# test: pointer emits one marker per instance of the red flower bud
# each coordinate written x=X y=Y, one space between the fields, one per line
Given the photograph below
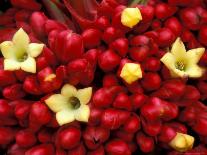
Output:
x=165 y=37
x=108 y=60
x=41 y=149
x=45 y=135
x=40 y=113
x=95 y=116
x=171 y=89
x=79 y=150
x=122 y=101
x=200 y=126
x=120 y=46
x=66 y=45
x=145 y=143
x=111 y=33
x=163 y=10
x=69 y=137
x=6 y=135
x=113 y=119
x=110 y=80
x=174 y=24
x=13 y=92
x=98 y=151
x=151 y=81
x=125 y=136
x=37 y=22
x=152 y=128
x=102 y=23
x=22 y=109
x=95 y=136
x=91 y=38
x=5 y=109
x=167 y=134
x=138 y=100
x=104 y=97
x=132 y=125
x=16 y=150
x=31 y=85
x=25 y=138
x=51 y=25
x=152 y=64
x=118 y=147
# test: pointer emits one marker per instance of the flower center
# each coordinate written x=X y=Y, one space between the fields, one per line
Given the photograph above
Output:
x=23 y=57
x=75 y=102
x=180 y=65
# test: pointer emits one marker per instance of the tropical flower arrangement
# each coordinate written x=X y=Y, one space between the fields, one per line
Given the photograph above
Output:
x=96 y=77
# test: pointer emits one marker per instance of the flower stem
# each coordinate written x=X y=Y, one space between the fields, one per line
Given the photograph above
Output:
x=133 y=3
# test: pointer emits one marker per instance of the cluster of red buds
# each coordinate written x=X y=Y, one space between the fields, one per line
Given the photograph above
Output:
x=143 y=63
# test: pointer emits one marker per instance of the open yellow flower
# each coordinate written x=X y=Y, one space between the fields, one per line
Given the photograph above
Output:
x=20 y=53
x=131 y=17
x=182 y=63
x=71 y=104
x=182 y=142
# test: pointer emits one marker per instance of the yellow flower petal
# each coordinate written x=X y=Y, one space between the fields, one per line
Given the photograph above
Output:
x=131 y=72
x=35 y=49
x=11 y=64
x=84 y=95
x=21 y=41
x=194 y=71
x=50 y=77
x=64 y=117
x=82 y=114
x=29 y=65
x=68 y=90
x=130 y=17
x=178 y=50
x=57 y=102
x=169 y=60
x=182 y=142
x=194 y=55
x=8 y=50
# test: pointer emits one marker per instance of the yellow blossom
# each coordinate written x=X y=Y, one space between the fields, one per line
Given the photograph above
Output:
x=130 y=17
x=182 y=63
x=182 y=142
x=20 y=53
x=70 y=104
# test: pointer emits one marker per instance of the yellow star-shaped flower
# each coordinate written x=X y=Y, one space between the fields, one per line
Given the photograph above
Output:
x=20 y=53
x=131 y=17
x=182 y=142
x=182 y=63
x=71 y=104
x=131 y=72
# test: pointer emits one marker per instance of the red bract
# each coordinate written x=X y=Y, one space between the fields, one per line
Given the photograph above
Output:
x=98 y=151
x=133 y=124
x=151 y=81
x=95 y=136
x=147 y=12
x=138 y=100
x=174 y=25
x=167 y=134
x=151 y=64
x=165 y=37
x=120 y=46
x=5 y=109
x=66 y=45
x=79 y=150
x=111 y=33
x=118 y=147
x=95 y=116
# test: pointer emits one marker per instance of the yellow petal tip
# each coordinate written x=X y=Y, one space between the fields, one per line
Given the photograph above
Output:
x=131 y=72
x=130 y=17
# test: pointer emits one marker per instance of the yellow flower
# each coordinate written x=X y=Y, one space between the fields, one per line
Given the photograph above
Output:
x=71 y=104
x=131 y=72
x=182 y=142
x=20 y=53
x=182 y=63
x=130 y=17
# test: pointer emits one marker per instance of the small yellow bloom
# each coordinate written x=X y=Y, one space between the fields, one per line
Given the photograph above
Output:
x=182 y=142
x=131 y=72
x=20 y=53
x=50 y=77
x=182 y=63
x=130 y=17
x=71 y=104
